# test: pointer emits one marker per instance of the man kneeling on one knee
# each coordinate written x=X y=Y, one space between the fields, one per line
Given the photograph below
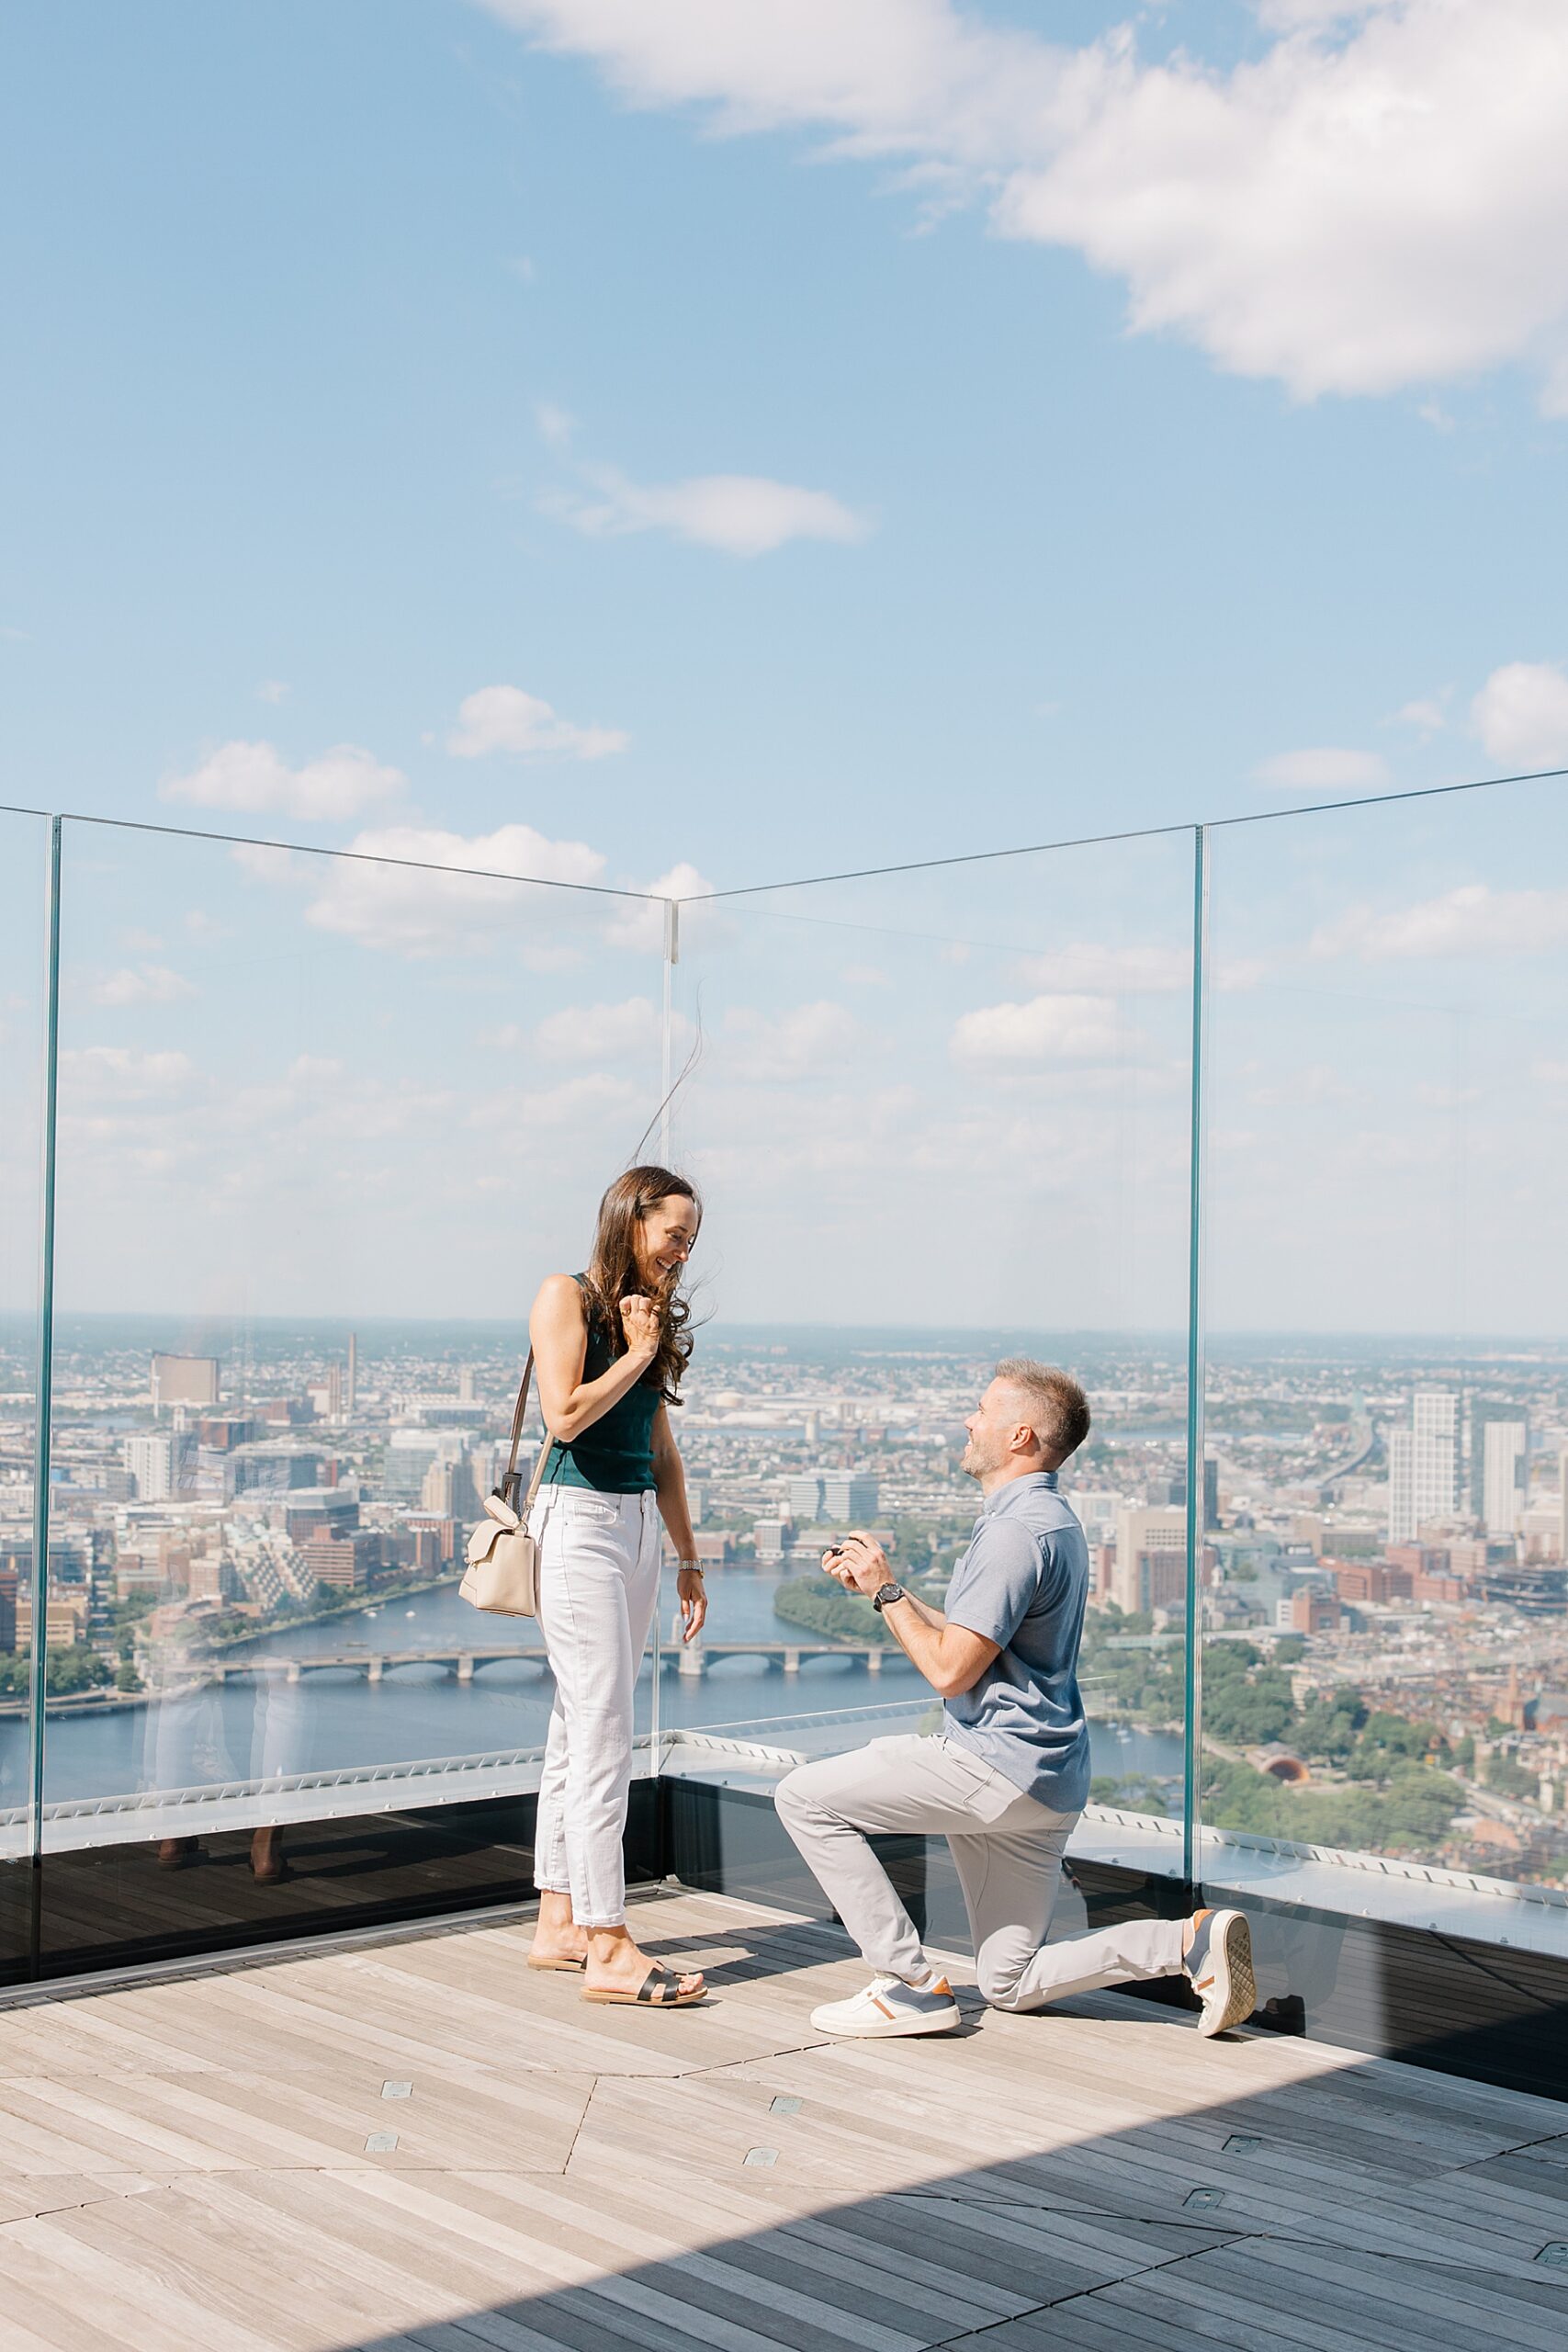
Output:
x=1006 y=1778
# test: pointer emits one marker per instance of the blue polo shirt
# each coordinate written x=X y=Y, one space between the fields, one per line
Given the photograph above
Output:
x=1023 y=1583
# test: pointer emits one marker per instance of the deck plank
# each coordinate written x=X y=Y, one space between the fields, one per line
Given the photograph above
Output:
x=185 y=2163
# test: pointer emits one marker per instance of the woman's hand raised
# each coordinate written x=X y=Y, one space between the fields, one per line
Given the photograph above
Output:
x=639 y=1320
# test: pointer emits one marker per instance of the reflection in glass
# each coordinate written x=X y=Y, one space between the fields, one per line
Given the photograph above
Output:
x=324 y=1122
x=1386 y=1671
x=24 y=881
x=938 y=1116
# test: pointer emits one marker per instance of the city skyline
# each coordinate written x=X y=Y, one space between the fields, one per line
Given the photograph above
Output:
x=229 y=1524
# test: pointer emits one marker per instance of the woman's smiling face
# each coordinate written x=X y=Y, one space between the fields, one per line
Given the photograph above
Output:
x=665 y=1238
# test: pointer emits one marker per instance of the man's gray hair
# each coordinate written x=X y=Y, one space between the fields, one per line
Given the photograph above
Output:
x=1058 y=1407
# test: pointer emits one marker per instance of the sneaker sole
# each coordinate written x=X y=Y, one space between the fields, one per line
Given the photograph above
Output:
x=1235 y=1985
x=891 y=2028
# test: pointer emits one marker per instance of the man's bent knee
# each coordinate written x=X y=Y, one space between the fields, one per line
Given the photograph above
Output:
x=1000 y=1980
x=793 y=1796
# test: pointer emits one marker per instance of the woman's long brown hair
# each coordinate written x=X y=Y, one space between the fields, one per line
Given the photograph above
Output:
x=614 y=1272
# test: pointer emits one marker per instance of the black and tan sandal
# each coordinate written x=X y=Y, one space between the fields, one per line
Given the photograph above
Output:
x=563 y=1966
x=659 y=1989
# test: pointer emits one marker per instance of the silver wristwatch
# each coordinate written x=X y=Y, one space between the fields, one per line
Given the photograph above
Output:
x=885 y=1594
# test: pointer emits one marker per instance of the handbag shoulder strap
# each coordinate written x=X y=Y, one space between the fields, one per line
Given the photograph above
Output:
x=510 y=1481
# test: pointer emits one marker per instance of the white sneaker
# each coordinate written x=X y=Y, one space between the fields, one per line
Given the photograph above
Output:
x=889 y=2006
x=1220 y=1967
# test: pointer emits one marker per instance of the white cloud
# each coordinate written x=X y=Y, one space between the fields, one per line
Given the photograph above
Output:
x=402 y=906
x=420 y=891
x=1047 y=1028
x=1084 y=967
x=682 y=881
x=1521 y=714
x=1428 y=714
x=600 y=1033
x=638 y=922
x=1327 y=769
x=801 y=1043
x=144 y=984
x=743 y=514
x=122 y=1074
x=1374 y=201
x=1473 y=920
x=588 y=1097
x=271 y=690
x=503 y=718
x=255 y=778
x=556 y=424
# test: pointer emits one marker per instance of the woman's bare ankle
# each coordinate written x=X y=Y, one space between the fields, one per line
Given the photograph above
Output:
x=557 y=1930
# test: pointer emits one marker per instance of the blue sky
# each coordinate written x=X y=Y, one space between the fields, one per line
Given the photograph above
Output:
x=289 y=288
x=614 y=443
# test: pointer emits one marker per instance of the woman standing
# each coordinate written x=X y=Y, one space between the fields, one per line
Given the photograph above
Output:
x=610 y=1348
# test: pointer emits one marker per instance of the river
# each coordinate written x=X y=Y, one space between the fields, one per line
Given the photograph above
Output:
x=334 y=1719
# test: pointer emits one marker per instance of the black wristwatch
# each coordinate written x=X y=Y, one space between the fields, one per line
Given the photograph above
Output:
x=885 y=1594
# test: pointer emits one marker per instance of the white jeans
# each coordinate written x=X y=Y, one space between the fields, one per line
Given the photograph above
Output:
x=598 y=1590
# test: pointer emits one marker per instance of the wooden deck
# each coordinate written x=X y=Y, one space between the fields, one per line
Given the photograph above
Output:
x=417 y=2142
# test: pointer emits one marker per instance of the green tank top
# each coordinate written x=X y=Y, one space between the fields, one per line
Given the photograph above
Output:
x=615 y=1454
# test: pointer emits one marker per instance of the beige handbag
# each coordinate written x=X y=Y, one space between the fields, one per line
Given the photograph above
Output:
x=502 y=1574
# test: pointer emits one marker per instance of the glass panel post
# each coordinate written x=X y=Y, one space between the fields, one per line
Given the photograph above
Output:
x=671 y=957
x=37 y=1677
x=667 y=1039
x=1196 y=1481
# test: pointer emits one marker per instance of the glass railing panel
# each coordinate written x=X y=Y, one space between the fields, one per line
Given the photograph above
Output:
x=24 y=885
x=325 y=1121
x=938 y=1117
x=1385 y=1671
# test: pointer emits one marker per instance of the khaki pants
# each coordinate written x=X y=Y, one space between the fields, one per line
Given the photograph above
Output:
x=1007 y=1851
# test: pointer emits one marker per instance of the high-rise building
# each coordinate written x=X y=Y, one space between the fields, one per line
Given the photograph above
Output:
x=806 y=1500
x=149 y=1455
x=1505 y=1446
x=213 y=1578
x=410 y=1453
x=183 y=1380
x=1562 y=1504
x=1210 y=1489
x=353 y=1382
x=1480 y=1412
x=849 y=1495
x=1151 y=1558
x=1424 y=1465
x=446 y=1491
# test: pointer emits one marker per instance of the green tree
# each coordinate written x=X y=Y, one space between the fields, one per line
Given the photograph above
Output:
x=1244 y=1701
x=825 y=1607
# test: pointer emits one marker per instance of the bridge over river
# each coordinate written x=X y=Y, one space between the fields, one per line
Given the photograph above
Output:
x=691 y=1660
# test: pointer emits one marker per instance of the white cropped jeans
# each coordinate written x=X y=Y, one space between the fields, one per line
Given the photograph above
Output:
x=598 y=1589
